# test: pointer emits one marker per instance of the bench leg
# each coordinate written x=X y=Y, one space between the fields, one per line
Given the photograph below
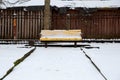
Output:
x=75 y=44
x=45 y=44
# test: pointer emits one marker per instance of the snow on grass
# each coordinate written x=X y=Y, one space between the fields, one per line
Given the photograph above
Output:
x=55 y=64
x=8 y=55
x=107 y=59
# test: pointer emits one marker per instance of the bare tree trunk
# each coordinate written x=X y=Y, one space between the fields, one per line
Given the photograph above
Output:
x=47 y=15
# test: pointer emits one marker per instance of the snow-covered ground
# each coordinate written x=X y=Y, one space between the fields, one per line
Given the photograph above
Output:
x=63 y=63
x=8 y=55
x=107 y=58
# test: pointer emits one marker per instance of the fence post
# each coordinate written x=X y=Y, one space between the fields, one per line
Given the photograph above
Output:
x=14 y=25
x=68 y=21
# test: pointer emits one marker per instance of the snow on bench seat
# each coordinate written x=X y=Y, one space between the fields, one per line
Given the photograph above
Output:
x=60 y=35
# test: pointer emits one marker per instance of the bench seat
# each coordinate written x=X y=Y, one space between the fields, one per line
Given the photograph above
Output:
x=60 y=35
x=60 y=39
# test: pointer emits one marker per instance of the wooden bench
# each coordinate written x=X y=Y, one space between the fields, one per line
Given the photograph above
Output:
x=60 y=36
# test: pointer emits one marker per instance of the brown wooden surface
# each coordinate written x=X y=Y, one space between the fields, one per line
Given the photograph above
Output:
x=103 y=24
x=28 y=24
x=100 y=24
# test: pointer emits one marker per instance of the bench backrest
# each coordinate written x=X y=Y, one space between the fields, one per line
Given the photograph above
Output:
x=60 y=33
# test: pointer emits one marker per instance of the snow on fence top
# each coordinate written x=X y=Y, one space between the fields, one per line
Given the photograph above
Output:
x=72 y=3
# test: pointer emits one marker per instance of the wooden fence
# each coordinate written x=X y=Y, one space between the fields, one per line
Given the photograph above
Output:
x=28 y=24
x=103 y=24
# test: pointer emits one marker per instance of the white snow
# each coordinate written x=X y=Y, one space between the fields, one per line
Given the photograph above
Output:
x=32 y=3
x=88 y=4
x=55 y=64
x=62 y=63
x=72 y=4
x=61 y=34
x=9 y=54
x=107 y=58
